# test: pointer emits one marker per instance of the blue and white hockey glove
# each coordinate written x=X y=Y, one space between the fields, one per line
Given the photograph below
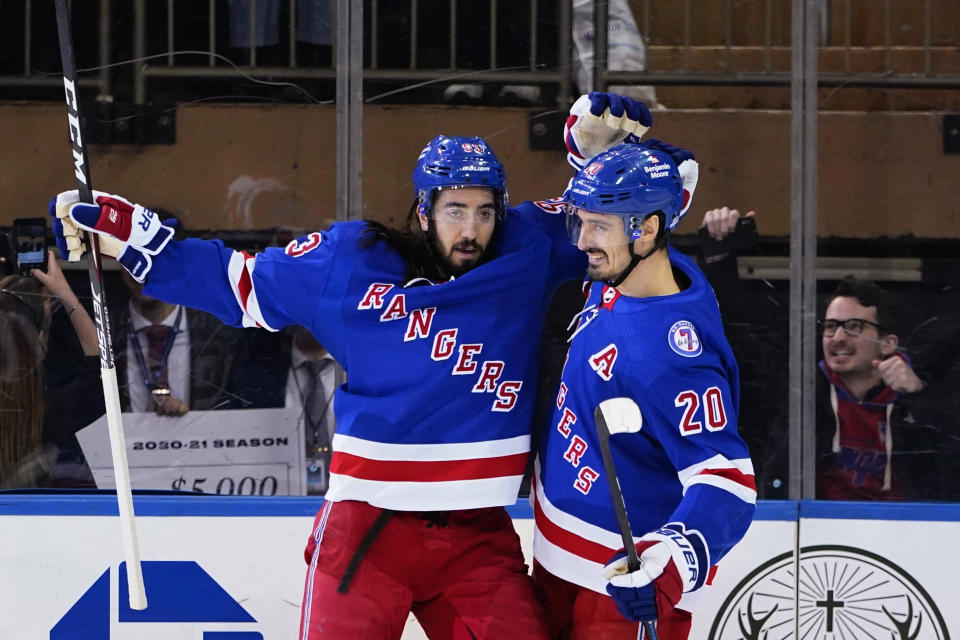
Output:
x=687 y=166
x=128 y=232
x=672 y=561
x=598 y=121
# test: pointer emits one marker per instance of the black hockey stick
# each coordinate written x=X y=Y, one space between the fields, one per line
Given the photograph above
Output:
x=620 y=415
x=108 y=373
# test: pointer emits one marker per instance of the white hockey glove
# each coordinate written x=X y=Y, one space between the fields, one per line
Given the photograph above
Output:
x=672 y=561
x=128 y=232
x=599 y=121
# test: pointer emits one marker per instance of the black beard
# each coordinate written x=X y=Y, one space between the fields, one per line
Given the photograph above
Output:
x=457 y=270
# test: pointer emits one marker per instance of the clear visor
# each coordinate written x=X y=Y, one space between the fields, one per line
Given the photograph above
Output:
x=596 y=230
x=465 y=205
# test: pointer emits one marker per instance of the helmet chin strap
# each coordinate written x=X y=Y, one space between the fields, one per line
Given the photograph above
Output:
x=660 y=242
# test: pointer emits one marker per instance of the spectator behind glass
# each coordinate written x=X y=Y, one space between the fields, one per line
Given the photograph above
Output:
x=873 y=439
x=881 y=434
x=170 y=359
x=70 y=401
x=23 y=459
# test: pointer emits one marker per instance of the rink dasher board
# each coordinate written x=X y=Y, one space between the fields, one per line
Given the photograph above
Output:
x=53 y=548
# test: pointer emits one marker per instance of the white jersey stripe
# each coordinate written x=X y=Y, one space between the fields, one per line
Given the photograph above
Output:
x=253 y=305
x=430 y=452
x=426 y=496
x=744 y=493
x=743 y=465
x=568 y=566
x=241 y=268
x=574 y=524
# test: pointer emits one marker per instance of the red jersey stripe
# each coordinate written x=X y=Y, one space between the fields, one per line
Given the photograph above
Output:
x=245 y=285
x=355 y=466
x=569 y=541
x=734 y=475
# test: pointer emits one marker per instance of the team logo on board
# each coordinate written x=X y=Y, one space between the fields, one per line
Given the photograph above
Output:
x=183 y=601
x=684 y=340
x=841 y=592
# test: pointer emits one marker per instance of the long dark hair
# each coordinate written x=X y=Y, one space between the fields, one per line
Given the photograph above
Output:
x=22 y=399
x=414 y=245
x=24 y=295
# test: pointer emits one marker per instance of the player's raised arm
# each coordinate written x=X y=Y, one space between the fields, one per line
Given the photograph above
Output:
x=238 y=288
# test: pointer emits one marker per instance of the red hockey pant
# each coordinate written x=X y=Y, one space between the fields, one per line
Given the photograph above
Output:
x=462 y=575
x=578 y=613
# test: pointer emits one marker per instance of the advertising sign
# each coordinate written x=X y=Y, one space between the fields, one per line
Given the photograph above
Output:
x=250 y=452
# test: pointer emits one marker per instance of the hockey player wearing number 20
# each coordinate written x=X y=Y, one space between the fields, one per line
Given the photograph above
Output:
x=650 y=332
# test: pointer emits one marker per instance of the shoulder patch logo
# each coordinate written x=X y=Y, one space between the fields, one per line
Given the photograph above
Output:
x=554 y=205
x=306 y=244
x=684 y=340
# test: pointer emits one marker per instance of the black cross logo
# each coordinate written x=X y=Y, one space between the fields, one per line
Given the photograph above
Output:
x=830 y=604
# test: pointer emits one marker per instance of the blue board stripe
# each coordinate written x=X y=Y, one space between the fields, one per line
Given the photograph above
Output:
x=105 y=504
x=919 y=511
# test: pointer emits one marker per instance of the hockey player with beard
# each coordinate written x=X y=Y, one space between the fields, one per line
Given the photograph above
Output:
x=436 y=327
x=651 y=333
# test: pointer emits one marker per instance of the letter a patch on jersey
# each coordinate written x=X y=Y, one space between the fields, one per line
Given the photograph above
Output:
x=602 y=361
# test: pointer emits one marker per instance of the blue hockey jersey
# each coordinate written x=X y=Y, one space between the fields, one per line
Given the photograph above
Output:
x=436 y=412
x=686 y=465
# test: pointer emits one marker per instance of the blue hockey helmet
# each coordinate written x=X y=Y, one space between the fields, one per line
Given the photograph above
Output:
x=628 y=180
x=453 y=161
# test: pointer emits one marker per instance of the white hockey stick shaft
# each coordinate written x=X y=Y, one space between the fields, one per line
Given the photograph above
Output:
x=613 y=416
x=136 y=592
x=108 y=374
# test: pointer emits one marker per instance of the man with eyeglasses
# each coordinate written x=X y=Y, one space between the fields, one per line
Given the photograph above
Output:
x=867 y=445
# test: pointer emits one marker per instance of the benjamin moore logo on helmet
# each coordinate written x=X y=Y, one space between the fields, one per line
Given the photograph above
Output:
x=658 y=167
x=841 y=592
x=593 y=168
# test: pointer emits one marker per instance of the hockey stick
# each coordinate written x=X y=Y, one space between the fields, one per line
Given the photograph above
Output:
x=108 y=373
x=620 y=415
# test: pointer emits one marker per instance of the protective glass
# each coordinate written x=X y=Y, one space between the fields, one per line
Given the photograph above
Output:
x=461 y=215
x=453 y=211
x=851 y=326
